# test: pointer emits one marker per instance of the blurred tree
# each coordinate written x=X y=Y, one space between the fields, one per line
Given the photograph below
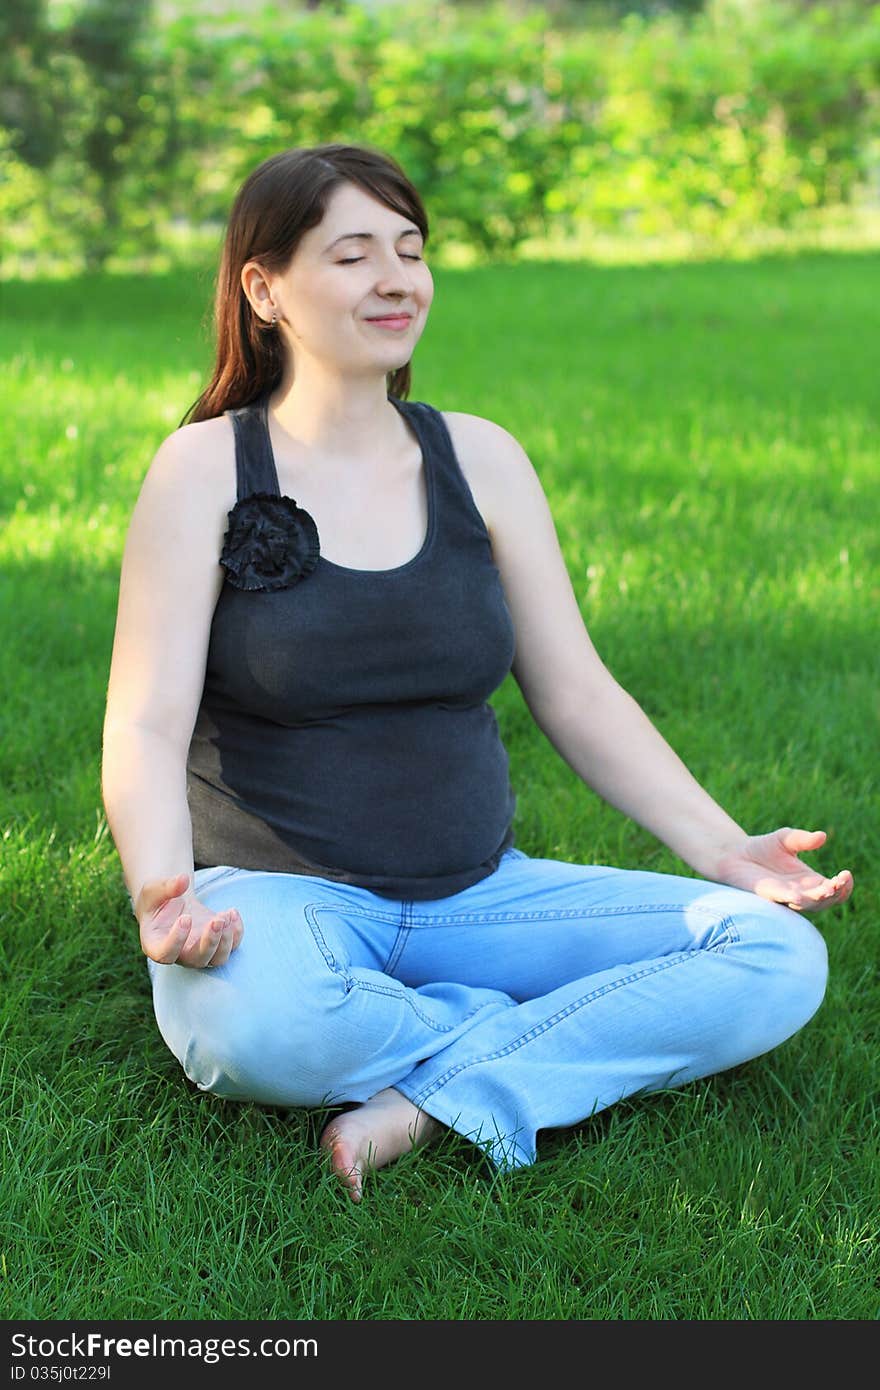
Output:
x=74 y=88
x=574 y=13
x=29 y=107
x=121 y=134
x=104 y=37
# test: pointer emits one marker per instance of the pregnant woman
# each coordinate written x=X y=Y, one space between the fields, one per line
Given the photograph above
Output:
x=323 y=584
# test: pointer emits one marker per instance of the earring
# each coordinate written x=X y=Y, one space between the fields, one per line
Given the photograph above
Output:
x=274 y=319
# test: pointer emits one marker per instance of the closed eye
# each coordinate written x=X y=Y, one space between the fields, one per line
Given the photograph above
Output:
x=352 y=260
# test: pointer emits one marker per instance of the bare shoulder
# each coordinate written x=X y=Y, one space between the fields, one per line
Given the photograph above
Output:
x=200 y=452
x=492 y=460
x=195 y=467
x=478 y=441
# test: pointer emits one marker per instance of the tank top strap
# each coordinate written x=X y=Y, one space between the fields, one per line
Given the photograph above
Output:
x=450 y=486
x=429 y=425
x=254 y=465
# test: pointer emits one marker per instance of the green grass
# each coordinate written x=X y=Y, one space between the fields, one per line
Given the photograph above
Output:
x=707 y=434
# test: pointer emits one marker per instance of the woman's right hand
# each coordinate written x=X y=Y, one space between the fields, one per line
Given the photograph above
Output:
x=177 y=929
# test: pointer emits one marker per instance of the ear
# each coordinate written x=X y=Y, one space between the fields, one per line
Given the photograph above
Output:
x=256 y=286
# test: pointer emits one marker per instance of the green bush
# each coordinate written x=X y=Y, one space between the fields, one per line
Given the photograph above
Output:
x=515 y=125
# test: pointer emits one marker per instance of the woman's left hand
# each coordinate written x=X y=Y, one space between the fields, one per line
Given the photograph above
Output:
x=769 y=866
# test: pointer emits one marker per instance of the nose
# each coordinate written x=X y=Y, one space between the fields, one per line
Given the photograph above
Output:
x=393 y=276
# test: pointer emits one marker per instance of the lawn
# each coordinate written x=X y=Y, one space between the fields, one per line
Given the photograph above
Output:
x=707 y=435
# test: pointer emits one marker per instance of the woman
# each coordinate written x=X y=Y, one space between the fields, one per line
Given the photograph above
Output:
x=323 y=583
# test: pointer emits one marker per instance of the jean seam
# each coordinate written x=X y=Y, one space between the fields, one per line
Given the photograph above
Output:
x=562 y=914
x=214 y=876
x=405 y=996
x=401 y=938
x=539 y=1029
x=401 y=992
x=310 y=912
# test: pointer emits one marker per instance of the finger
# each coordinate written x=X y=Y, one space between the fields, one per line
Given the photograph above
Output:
x=159 y=890
x=799 y=841
x=165 y=888
x=796 y=895
x=223 y=946
x=224 y=949
x=209 y=940
x=829 y=897
x=839 y=887
x=237 y=927
x=818 y=892
x=203 y=952
x=168 y=950
x=232 y=916
x=842 y=886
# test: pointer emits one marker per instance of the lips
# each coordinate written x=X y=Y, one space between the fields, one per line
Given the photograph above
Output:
x=388 y=318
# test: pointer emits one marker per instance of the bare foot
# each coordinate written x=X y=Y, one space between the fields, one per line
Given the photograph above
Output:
x=377 y=1132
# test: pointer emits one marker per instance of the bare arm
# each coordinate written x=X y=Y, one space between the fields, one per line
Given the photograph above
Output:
x=168 y=590
x=593 y=723
x=144 y=792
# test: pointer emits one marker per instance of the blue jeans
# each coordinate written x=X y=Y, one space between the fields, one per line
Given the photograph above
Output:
x=530 y=1001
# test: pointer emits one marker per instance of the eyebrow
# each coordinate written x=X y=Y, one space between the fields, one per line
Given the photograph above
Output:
x=368 y=236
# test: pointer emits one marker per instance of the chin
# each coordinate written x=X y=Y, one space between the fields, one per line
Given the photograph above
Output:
x=393 y=364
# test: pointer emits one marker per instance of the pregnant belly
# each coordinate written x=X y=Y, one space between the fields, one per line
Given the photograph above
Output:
x=410 y=790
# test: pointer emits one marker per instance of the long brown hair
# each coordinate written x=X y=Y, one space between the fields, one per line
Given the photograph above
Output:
x=283 y=198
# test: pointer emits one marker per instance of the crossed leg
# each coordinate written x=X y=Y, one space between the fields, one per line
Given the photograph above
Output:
x=542 y=994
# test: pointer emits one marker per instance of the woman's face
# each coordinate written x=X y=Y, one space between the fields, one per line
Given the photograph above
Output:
x=337 y=283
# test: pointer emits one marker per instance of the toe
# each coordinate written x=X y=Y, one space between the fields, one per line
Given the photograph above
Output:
x=349 y=1174
x=343 y=1162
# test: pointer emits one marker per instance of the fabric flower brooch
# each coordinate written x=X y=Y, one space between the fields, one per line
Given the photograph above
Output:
x=271 y=543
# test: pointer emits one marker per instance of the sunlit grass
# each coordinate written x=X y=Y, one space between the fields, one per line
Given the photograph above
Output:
x=707 y=435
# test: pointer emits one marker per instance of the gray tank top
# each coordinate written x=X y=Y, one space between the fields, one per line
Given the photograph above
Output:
x=344 y=729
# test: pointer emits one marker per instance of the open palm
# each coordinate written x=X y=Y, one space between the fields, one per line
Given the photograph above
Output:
x=769 y=866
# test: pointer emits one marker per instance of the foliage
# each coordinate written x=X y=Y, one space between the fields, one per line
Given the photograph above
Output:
x=125 y=137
